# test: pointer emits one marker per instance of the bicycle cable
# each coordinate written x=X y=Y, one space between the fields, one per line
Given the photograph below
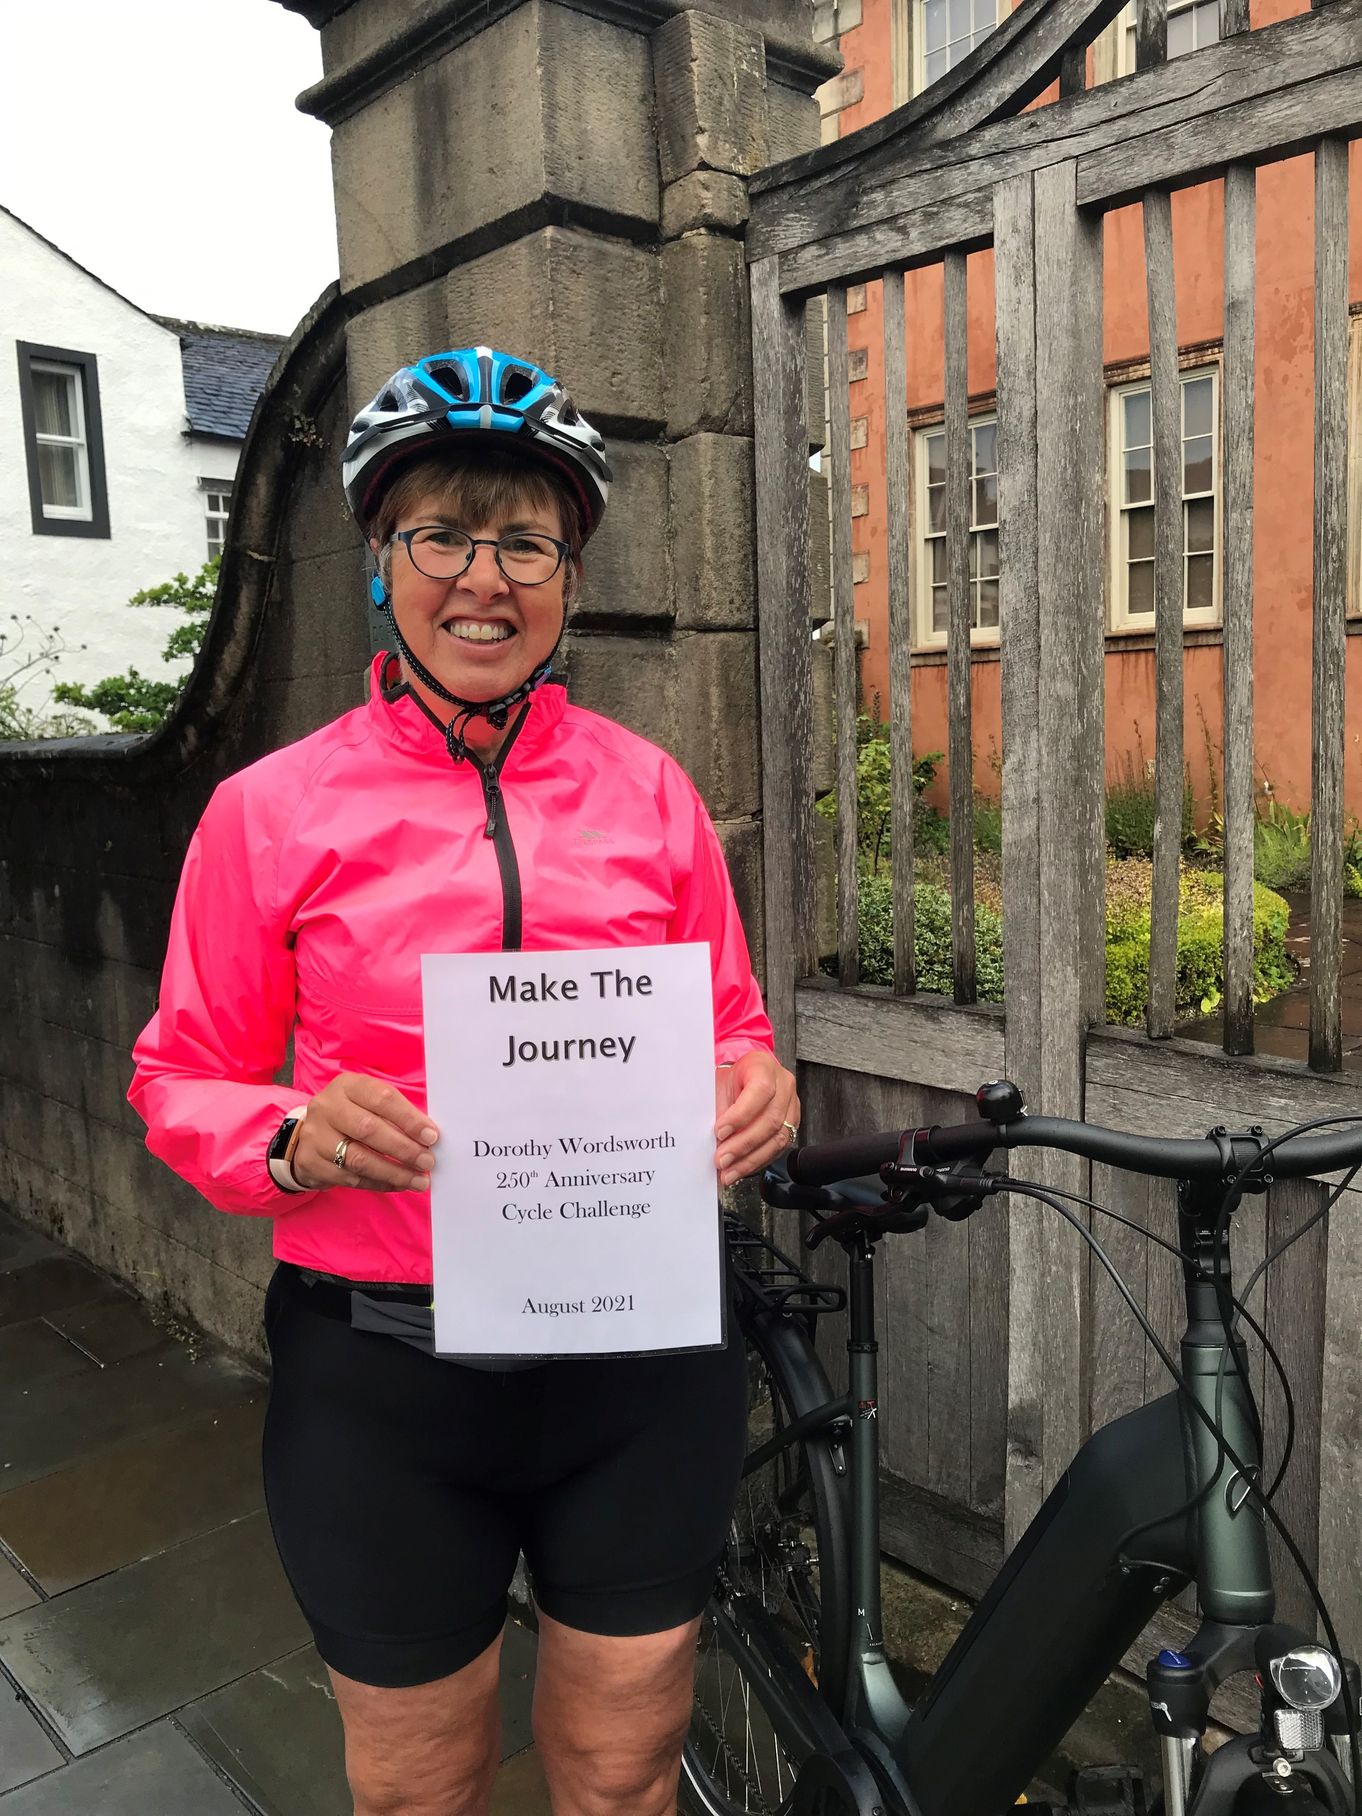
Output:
x=1224 y=1448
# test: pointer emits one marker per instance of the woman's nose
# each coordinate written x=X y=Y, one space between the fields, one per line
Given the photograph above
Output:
x=482 y=575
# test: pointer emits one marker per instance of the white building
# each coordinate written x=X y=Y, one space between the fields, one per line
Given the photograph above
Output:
x=119 y=438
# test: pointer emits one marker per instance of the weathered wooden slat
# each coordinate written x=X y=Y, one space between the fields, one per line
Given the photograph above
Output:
x=1073 y=72
x=1331 y=598
x=1340 y=1491
x=1237 y=443
x=948 y=1359
x=1151 y=33
x=918 y=1040
x=1015 y=289
x=1295 y=1323
x=1234 y=17
x=918 y=236
x=782 y=510
x=1118 y=1344
x=1197 y=93
x=899 y=530
x=989 y=1260
x=1165 y=397
x=1046 y=1330
x=847 y=689
x=961 y=733
x=953 y=1546
x=1275 y=125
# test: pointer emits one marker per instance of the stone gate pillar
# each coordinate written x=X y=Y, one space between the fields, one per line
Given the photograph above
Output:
x=565 y=178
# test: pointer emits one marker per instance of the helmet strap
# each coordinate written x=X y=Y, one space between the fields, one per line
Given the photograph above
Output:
x=496 y=712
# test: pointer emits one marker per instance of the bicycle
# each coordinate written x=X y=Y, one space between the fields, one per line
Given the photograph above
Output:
x=796 y=1711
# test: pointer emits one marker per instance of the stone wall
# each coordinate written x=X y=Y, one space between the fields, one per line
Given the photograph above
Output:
x=566 y=181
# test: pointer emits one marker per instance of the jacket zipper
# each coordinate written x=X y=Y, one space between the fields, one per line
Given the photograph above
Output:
x=499 y=832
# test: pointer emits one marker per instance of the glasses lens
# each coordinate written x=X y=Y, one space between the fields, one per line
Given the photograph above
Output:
x=528 y=559
x=440 y=553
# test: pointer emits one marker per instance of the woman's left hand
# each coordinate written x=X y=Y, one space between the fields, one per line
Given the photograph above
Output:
x=757 y=1107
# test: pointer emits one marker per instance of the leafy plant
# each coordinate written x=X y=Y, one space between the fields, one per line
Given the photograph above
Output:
x=1130 y=811
x=931 y=939
x=26 y=651
x=132 y=701
x=873 y=799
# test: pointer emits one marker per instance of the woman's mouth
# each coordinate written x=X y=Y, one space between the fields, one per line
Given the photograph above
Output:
x=475 y=630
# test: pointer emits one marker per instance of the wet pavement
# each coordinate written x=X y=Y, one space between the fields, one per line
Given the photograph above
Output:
x=152 y=1660
x=1281 y=1028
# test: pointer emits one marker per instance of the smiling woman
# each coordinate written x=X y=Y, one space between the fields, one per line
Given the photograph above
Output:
x=448 y=814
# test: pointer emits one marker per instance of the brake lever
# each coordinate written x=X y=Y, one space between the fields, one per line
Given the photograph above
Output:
x=954 y=1192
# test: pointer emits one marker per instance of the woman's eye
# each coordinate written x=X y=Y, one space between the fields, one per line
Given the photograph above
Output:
x=522 y=545
x=442 y=539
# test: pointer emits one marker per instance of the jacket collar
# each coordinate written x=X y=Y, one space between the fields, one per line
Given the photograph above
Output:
x=401 y=717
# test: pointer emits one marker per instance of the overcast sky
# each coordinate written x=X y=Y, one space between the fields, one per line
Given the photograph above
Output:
x=157 y=142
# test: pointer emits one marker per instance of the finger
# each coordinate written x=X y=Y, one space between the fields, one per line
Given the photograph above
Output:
x=366 y=1171
x=771 y=1119
x=752 y=1102
x=381 y=1118
x=755 y=1161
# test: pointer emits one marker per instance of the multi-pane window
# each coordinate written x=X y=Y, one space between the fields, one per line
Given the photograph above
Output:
x=1192 y=24
x=59 y=437
x=947 y=31
x=217 y=504
x=983 y=530
x=1133 y=501
x=63 y=441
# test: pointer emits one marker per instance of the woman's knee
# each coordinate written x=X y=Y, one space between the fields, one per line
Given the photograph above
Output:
x=429 y=1750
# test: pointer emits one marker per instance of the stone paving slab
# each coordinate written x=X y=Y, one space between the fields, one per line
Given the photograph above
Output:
x=26 y=1751
x=37 y=1351
x=110 y=1330
x=15 y=1591
x=155 y=1773
x=520 y=1789
x=19 y=1244
x=277 y=1735
x=152 y=1494
x=49 y=1284
x=57 y=1421
x=111 y=1656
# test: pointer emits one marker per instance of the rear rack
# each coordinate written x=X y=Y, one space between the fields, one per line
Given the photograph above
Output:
x=770 y=1281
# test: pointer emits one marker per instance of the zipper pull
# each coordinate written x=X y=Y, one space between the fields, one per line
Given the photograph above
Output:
x=491 y=788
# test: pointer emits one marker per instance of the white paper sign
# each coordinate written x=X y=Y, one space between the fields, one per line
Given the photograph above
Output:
x=574 y=1201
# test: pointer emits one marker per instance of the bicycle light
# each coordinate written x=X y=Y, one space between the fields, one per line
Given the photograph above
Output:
x=1307 y=1677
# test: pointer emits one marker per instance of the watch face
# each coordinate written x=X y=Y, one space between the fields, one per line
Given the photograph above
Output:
x=279 y=1146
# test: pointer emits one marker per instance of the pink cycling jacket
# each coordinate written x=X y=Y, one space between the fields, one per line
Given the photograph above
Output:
x=319 y=875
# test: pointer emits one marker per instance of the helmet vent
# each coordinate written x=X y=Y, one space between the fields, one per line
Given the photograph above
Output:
x=516 y=386
x=567 y=414
x=450 y=378
x=388 y=401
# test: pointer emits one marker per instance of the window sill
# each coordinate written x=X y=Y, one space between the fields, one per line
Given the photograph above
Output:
x=1118 y=643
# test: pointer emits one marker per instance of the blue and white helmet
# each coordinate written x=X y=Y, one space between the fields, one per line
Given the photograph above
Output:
x=477 y=395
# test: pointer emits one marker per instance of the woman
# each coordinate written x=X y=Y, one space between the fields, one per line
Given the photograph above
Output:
x=460 y=809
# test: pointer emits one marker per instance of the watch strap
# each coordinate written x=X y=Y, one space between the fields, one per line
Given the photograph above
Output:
x=282 y=1149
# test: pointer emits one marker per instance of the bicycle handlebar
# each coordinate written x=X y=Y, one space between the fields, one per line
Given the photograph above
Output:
x=1165 y=1157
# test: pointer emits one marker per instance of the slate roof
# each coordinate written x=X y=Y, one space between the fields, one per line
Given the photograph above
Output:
x=224 y=373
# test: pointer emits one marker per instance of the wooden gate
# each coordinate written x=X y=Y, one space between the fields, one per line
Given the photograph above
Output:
x=1003 y=1346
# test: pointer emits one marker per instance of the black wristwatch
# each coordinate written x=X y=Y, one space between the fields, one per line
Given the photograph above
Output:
x=280 y=1152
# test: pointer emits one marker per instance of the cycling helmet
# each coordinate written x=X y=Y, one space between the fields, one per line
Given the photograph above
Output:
x=474 y=395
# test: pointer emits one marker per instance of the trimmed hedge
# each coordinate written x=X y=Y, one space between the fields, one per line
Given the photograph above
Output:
x=1201 y=969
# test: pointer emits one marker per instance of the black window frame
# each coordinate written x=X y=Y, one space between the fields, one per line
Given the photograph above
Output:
x=97 y=523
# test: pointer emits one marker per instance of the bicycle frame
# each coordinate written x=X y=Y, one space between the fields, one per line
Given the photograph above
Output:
x=1068 y=1602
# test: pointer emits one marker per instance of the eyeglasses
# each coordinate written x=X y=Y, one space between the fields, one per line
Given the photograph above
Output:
x=525 y=556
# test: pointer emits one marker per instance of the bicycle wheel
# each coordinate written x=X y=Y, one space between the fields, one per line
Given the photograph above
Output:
x=782 y=1587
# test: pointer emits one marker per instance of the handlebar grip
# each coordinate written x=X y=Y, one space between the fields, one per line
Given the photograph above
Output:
x=827 y=1162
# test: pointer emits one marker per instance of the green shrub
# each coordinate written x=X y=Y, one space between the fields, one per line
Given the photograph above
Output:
x=873 y=800
x=931 y=939
x=1201 y=964
x=988 y=824
x=1201 y=957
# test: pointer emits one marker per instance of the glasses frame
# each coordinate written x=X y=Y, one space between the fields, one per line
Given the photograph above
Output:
x=477 y=542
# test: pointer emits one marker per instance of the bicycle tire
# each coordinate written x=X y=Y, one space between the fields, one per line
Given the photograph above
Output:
x=787 y=1552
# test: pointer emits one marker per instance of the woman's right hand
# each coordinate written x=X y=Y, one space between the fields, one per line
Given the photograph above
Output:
x=389 y=1139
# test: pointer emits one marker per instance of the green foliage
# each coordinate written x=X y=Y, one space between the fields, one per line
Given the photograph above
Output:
x=1130 y=811
x=873 y=802
x=25 y=650
x=1201 y=954
x=988 y=824
x=132 y=701
x=1201 y=972
x=931 y=939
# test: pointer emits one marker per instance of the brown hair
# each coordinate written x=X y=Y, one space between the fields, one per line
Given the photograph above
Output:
x=481 y=488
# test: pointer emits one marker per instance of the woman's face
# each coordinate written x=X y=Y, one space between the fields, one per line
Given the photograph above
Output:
x=480 y=634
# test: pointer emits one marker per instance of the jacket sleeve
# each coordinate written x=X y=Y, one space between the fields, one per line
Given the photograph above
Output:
x=706 y=910
x=206 y=1063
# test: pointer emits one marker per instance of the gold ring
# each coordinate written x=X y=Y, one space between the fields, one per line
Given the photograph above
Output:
x=342 y=1149
x=793 y=1128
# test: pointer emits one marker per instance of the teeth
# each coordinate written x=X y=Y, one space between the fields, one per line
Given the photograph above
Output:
x=469 y=632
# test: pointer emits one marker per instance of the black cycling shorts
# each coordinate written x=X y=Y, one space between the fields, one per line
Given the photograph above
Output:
x=401 y=1488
